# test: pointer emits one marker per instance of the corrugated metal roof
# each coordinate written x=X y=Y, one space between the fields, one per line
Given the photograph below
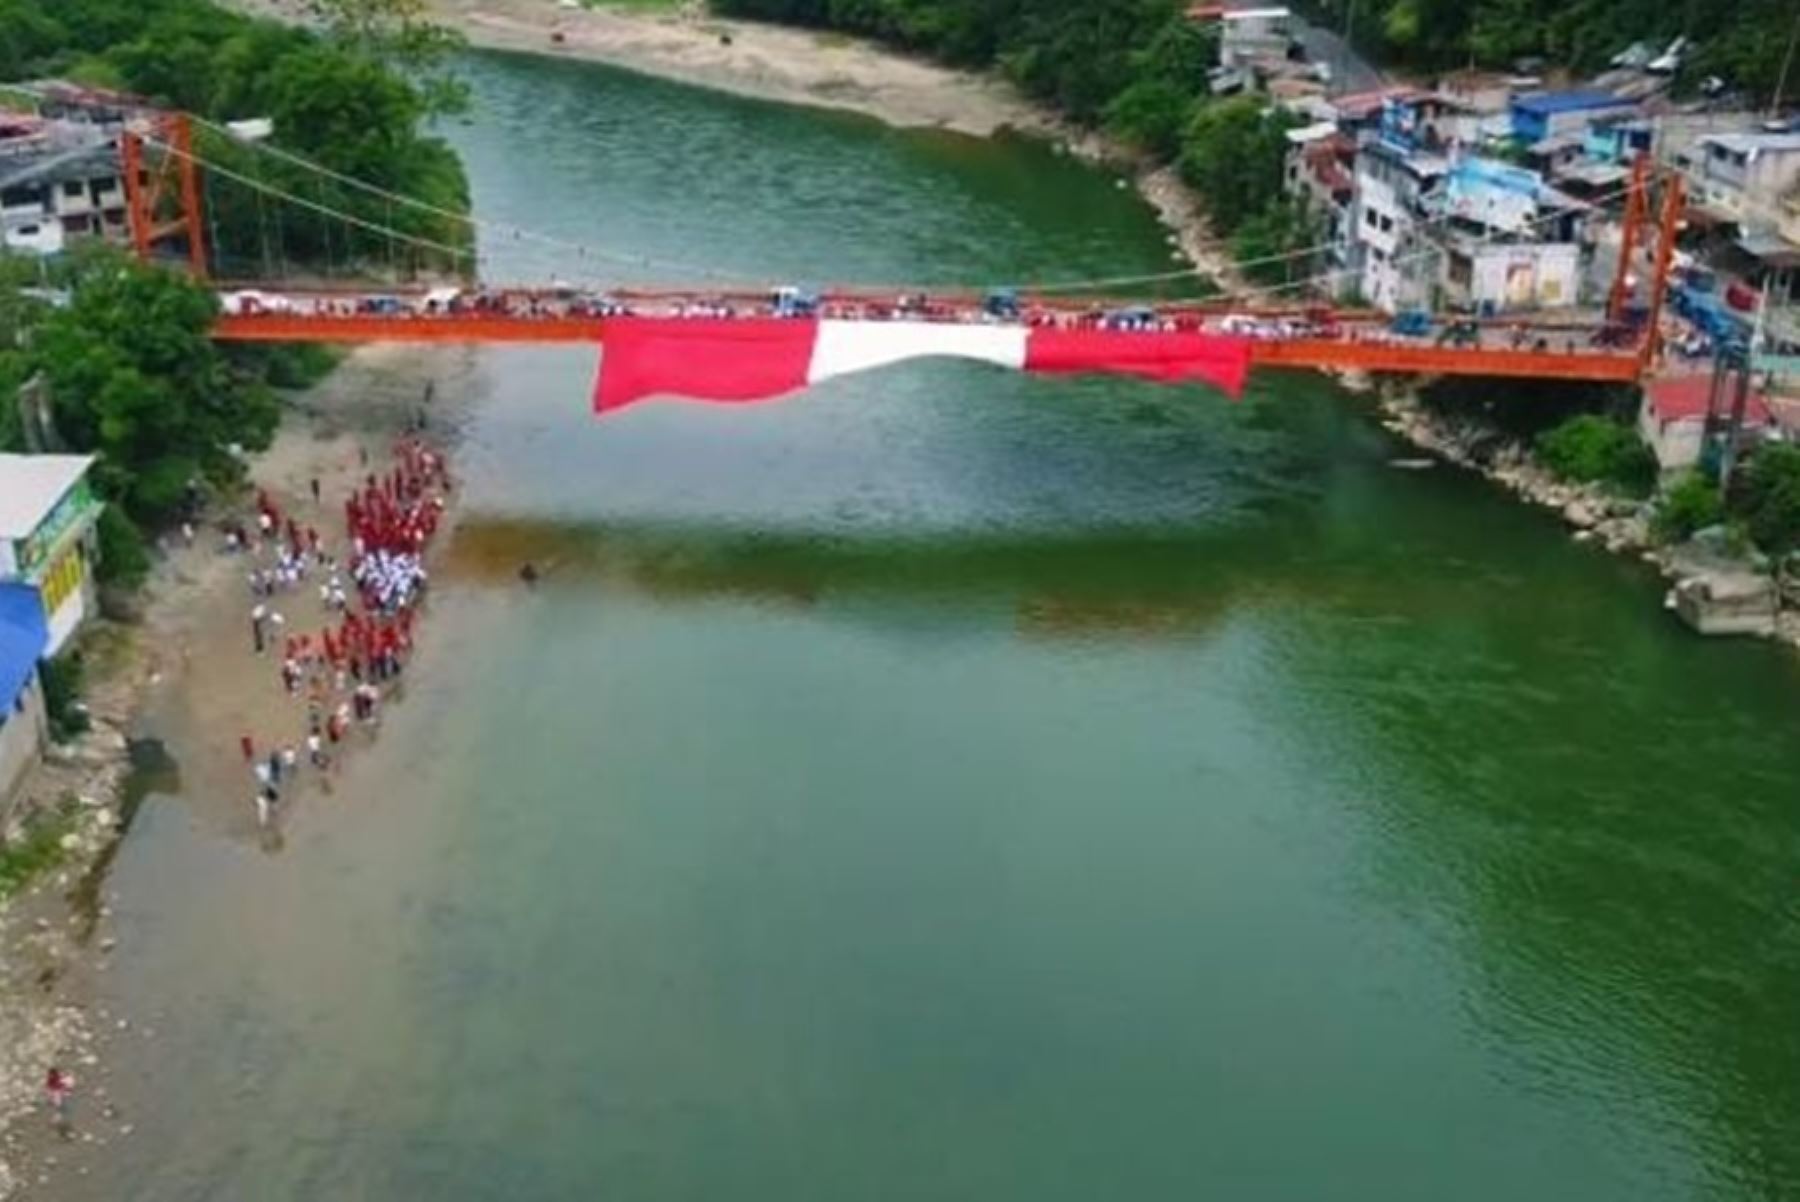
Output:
x=1547 y=103
x=23 y=637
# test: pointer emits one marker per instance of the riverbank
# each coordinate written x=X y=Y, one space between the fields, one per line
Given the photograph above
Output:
x=172 y=687
x=1593 y=514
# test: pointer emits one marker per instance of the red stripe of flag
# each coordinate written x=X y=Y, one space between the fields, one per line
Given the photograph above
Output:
x=734 y=359
x=1221 y=361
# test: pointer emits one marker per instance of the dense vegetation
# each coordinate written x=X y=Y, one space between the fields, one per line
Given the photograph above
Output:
x=1742 y=41
x=352 y=95
x=134 y=377
x=1591 y=449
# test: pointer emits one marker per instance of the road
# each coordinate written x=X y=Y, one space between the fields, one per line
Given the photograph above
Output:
x=1350 y=72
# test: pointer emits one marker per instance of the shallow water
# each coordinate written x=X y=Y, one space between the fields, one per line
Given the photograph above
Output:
x=949 y=785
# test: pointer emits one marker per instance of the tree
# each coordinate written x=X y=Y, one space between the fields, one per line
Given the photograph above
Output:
x=1271 y=242
x=1592 y=449
x=1769 y=498
x=1233 y=152
x=135 y=377
x=400 y=35
x=1691 y=503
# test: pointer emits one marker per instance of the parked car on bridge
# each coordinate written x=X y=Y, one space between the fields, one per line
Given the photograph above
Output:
x=250 y=301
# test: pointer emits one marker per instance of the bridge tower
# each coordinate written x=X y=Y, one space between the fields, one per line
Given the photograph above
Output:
x=162 y=188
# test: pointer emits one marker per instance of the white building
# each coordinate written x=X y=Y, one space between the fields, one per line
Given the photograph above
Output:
x=47 y=516
x=1249 y=36
x=1501 y=277
x=1743 y=176
x=59 y=180
x=1397 y=263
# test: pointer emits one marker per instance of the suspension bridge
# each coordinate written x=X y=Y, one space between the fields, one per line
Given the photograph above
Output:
x=734 y=340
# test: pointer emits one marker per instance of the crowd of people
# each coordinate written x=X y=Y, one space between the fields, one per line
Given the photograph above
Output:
x=369 y=586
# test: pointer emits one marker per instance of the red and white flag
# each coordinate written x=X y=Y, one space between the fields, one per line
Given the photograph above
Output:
x=761 y=358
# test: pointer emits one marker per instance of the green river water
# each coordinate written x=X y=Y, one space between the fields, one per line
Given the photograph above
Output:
x=952 y=786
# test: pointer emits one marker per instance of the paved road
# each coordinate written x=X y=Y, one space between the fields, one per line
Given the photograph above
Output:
x=1350 y=72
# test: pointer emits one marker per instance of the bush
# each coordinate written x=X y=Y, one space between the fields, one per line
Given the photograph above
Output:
x=1769 y=498
x=124 y=560
x=1692 y=503
x=62 y=696
x=1592 y=449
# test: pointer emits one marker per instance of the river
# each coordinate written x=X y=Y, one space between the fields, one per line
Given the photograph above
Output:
x=950 y=785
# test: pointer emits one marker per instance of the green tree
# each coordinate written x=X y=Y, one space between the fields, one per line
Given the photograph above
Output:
x=1272 y=244
x=1591 y=449
x=1691 y=503
x=1769 y=498
x=401 y=35
x=1233 y=152
x=136 y=378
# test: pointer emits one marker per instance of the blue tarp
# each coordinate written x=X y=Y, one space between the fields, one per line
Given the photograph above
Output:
x=23 y=637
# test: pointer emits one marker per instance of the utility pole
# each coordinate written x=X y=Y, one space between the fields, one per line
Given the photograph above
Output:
x=1787 y=61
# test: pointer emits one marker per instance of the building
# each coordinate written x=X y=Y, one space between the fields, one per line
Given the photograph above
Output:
x=1538 y=117
x=24 y=726
x=1397 y=264
x=1501 y=277
x=1743 y=176
x=1321 y=170
x=1249 y=37
x=1672 y=418
x=59 y=180
x=47 y=515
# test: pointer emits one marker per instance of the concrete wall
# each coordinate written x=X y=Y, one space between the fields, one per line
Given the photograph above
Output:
x=1676 y=444
x=1537 y=276
x=22 y=736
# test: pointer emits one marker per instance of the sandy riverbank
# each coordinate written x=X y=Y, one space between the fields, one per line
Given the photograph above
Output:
x=182 y=674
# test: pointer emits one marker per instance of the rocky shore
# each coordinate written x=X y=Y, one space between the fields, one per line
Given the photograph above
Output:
x=1715 y=588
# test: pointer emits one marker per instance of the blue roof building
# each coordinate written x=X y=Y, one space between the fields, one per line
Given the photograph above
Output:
x=1538 y=116
x=24 y=634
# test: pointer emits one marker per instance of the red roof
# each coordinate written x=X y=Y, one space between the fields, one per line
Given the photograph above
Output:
x=1366 y=104
x=1205 y=12
x=1680 y=398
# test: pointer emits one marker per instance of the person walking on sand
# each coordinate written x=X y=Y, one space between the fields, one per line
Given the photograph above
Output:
x=258 y=614
x=248 y=747
x=59 y=1087
x=315 y=490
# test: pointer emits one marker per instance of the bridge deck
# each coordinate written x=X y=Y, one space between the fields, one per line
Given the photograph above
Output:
x=1373 y=354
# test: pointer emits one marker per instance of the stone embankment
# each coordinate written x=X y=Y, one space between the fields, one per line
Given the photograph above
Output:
x=1714 y=589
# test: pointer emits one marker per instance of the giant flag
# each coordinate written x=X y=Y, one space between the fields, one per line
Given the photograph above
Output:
x=760 y=358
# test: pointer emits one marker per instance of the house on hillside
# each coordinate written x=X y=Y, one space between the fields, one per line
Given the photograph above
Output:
x=24 y=725
x=59 y=181
x=1540 y=117
x=1321 y=170
x=47 y=516
x=1396 y=260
